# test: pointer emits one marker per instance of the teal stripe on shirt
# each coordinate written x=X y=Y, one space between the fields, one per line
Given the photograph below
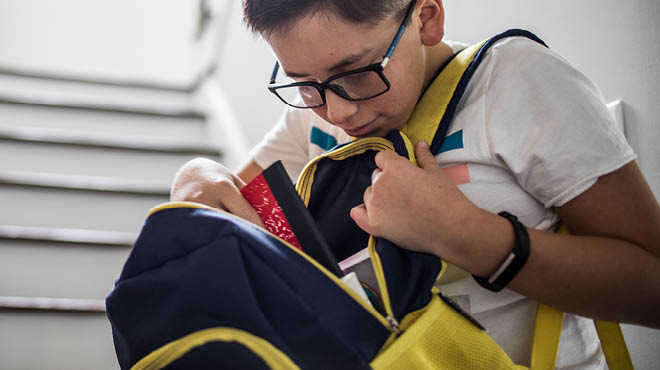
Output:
x=453 y=141
x=322 y=139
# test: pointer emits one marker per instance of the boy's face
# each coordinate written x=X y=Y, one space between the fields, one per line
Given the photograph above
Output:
x=323 y=45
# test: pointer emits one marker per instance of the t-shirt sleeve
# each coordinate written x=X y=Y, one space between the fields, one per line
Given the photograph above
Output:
x=548 y=124
x=286 y=141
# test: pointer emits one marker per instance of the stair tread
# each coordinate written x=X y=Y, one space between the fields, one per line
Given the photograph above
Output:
x=57 y=101
x=53 y=304
x=95 y=81
x=68 y=235
x=111 y=141
x=81 y=182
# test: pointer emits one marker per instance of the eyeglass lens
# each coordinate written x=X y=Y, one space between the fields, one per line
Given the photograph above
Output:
x=355 y=86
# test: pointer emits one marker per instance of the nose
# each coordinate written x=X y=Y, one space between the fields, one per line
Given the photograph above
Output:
x=338 y=109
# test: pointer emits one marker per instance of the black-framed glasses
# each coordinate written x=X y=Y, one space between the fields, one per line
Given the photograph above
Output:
x=355 y=85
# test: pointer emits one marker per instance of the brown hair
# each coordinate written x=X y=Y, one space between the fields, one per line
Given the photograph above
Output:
x=266 y=17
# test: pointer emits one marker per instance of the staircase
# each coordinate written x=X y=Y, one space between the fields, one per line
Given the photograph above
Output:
x=81 y=163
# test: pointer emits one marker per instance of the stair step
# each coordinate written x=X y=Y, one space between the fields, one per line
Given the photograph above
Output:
x=52 y=304
x=100 y=106
x=107 y=141
x=188 y=129
x=146 y=166
x=73 y=208
x=23 y=87
x=70 y=236
x=91 y=183
x=40 y=268
x=59 y=339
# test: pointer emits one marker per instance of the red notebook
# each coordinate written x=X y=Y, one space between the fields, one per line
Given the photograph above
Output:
x=284 y=214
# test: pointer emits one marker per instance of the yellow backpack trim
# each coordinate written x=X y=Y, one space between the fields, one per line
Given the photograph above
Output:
x=273 y=357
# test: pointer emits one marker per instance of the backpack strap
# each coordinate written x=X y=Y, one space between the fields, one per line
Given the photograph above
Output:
x=433 y=114
x=547 y=331
x=614 y=345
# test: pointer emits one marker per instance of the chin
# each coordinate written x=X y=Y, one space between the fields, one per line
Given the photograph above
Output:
x=375 y=133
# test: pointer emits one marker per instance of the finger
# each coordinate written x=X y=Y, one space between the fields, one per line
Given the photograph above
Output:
x=425 y=159
x=238 y=181
x=361 y=217
x=374 y=175
x=384 y=157
x=367 y=194
x=235 y=204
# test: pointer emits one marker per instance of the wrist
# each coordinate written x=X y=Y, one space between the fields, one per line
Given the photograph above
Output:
x=515 y=260
x=487 y=241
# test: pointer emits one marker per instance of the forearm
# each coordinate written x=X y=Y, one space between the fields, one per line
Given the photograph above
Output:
x=598 y=277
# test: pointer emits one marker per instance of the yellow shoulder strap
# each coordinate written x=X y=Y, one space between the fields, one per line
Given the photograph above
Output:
x=546 y=341
x=614 y=346
x=547 y=332
x=428 y=113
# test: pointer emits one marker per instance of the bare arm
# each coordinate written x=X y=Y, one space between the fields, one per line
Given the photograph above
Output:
x=249 y=170
x=610 y=267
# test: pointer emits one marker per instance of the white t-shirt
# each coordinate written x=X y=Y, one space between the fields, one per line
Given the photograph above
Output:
x=530 y=133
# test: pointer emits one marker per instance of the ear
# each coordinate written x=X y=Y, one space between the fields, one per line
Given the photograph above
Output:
x=431 y=15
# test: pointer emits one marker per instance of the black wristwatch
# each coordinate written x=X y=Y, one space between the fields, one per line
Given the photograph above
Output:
x=514 y=261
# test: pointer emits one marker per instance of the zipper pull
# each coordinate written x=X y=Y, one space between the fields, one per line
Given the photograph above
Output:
x=393 y=325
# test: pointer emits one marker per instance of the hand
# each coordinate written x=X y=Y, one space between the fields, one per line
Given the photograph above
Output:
x=207 y=182
x=418 y=208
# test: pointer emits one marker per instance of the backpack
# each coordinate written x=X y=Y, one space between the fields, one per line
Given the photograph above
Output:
x=204 y=289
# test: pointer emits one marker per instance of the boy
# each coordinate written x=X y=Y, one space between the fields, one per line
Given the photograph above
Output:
x=536 y=140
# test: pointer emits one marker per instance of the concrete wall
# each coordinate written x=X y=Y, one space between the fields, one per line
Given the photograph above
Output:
x=145 y=40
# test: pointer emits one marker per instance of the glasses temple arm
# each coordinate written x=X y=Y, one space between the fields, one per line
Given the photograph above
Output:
x=399 y=34
x=276 y=69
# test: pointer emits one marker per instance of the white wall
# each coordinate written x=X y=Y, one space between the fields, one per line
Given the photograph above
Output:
x=616 y=43
x=244 y=71
x=144 y=40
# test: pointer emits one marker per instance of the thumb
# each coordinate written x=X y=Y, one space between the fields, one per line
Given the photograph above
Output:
x=425 y=159
x=361 y=218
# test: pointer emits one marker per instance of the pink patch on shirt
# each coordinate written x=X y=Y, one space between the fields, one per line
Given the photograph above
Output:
x=458 y=174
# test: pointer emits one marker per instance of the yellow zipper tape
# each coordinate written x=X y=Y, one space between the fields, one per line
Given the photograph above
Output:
x=380 y=276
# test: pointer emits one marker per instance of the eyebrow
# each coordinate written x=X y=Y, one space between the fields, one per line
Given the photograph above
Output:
x=341 y=64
